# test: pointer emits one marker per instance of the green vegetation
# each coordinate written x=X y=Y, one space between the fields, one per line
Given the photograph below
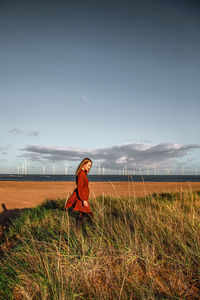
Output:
x=145 y=248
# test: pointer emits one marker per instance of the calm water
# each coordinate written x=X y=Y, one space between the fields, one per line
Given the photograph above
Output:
x=99 y=178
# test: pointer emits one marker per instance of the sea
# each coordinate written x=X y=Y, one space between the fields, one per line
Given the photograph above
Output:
x=102 y=178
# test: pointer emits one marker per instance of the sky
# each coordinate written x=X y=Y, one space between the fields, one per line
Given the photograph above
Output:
x=116 y=81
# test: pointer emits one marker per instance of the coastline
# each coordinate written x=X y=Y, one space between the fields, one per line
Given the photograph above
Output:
x=25 y=194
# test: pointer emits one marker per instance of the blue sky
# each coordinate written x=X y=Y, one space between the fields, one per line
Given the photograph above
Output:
x=117 y=81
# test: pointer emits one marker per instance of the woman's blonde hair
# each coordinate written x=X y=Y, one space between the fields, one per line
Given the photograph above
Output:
x=82 y=163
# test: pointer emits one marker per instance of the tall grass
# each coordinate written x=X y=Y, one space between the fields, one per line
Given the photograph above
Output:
x=145 y=248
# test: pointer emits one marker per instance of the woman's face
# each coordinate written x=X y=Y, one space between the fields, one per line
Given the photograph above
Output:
x=87 y=167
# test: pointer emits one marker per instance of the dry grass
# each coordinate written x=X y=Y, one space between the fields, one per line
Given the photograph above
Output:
x=135 y=249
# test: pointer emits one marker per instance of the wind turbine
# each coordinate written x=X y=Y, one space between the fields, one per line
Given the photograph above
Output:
x=155 y=170
x=103 y=171
x=123 y=171
x=126 y=170
x=18 y=170
x=25 y=167
x=53 y=169
x=147 y=170
x=182 y=171
x=99 y=170
x=195 y=171
x=43 y=169
x=65 y=167
x=22 y=169
x=166 y=171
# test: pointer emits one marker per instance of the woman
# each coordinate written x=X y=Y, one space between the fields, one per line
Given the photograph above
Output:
x=79 y=198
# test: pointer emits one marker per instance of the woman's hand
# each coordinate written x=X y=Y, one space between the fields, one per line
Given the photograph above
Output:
x=85 y=203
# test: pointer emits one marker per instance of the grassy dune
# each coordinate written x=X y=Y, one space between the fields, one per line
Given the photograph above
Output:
x=145 y=248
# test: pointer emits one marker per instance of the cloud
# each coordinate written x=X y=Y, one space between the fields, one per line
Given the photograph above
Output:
x=19 y=131
x=4 y=150
x=135 y=155
x=34 y=133
x=16 y=131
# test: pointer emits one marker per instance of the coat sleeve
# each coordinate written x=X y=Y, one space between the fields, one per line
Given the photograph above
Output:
x=80 y=187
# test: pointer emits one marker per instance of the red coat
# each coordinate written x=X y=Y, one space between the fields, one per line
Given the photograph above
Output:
x=80 y=194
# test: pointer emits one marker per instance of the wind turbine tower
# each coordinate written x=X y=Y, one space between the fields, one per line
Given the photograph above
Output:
x=43 y=169
x=147 y=170
x=182 y=171
x=65 y=167
x=126 y=170
x=25 y=167
x=155 y=170
x=22 y=169
x=99 y=170
x=53 y=169
x=195 y=171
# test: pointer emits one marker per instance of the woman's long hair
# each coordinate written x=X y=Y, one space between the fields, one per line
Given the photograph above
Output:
x=82 y=163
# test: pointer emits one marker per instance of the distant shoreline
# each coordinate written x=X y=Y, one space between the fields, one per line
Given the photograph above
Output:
x=100 y=178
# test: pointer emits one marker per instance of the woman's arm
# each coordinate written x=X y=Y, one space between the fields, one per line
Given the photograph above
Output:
x=81 y=189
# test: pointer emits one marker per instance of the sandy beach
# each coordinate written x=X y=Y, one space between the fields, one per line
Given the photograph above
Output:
x=17 y=195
